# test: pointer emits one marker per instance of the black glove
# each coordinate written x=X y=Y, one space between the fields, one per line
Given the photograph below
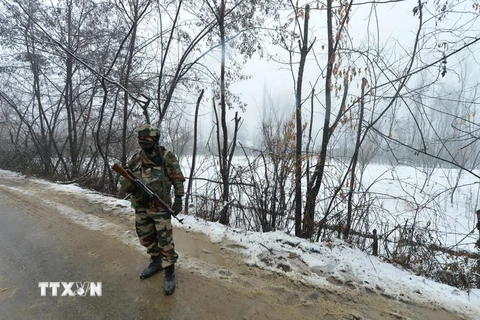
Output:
x=177 y=205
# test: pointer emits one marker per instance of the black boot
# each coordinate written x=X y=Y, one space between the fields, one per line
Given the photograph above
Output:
x=169 y=280
x=153 y=267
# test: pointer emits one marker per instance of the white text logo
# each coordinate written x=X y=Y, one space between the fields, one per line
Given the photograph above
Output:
x=70 y=289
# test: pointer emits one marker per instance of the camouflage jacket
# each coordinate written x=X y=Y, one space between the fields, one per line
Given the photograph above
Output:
x=159 y=170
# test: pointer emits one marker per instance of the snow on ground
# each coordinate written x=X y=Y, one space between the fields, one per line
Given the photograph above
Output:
x=322 y=264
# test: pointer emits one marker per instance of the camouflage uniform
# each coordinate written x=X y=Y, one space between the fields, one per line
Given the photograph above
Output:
x=160 y=171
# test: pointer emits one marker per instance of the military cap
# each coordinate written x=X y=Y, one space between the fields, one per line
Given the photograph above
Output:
x=148 y=130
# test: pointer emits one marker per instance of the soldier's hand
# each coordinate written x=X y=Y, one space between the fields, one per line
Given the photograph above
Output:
x=177 y=205
x=127 y=186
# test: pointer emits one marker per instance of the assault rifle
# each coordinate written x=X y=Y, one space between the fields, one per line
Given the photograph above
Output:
x=144 y=189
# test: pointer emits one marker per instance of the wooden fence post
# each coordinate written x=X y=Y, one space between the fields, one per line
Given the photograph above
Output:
x=375 y=243
x=478 y=227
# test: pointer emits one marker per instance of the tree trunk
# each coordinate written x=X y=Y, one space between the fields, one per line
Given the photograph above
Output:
x=299 y=131
x=224 y=167
x=194 y=153
x=72 y=128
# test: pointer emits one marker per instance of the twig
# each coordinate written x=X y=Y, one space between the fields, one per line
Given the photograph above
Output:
x=270 y=250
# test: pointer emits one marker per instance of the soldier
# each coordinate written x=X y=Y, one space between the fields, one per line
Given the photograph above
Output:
x=158 y=168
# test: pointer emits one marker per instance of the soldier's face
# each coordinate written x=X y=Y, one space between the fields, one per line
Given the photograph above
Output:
x=146 y=143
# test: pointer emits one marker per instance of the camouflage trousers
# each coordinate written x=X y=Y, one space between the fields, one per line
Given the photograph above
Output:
x=154 y=229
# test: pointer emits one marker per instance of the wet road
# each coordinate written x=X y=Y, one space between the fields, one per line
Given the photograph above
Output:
x=49 y=248
x=38 y=244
